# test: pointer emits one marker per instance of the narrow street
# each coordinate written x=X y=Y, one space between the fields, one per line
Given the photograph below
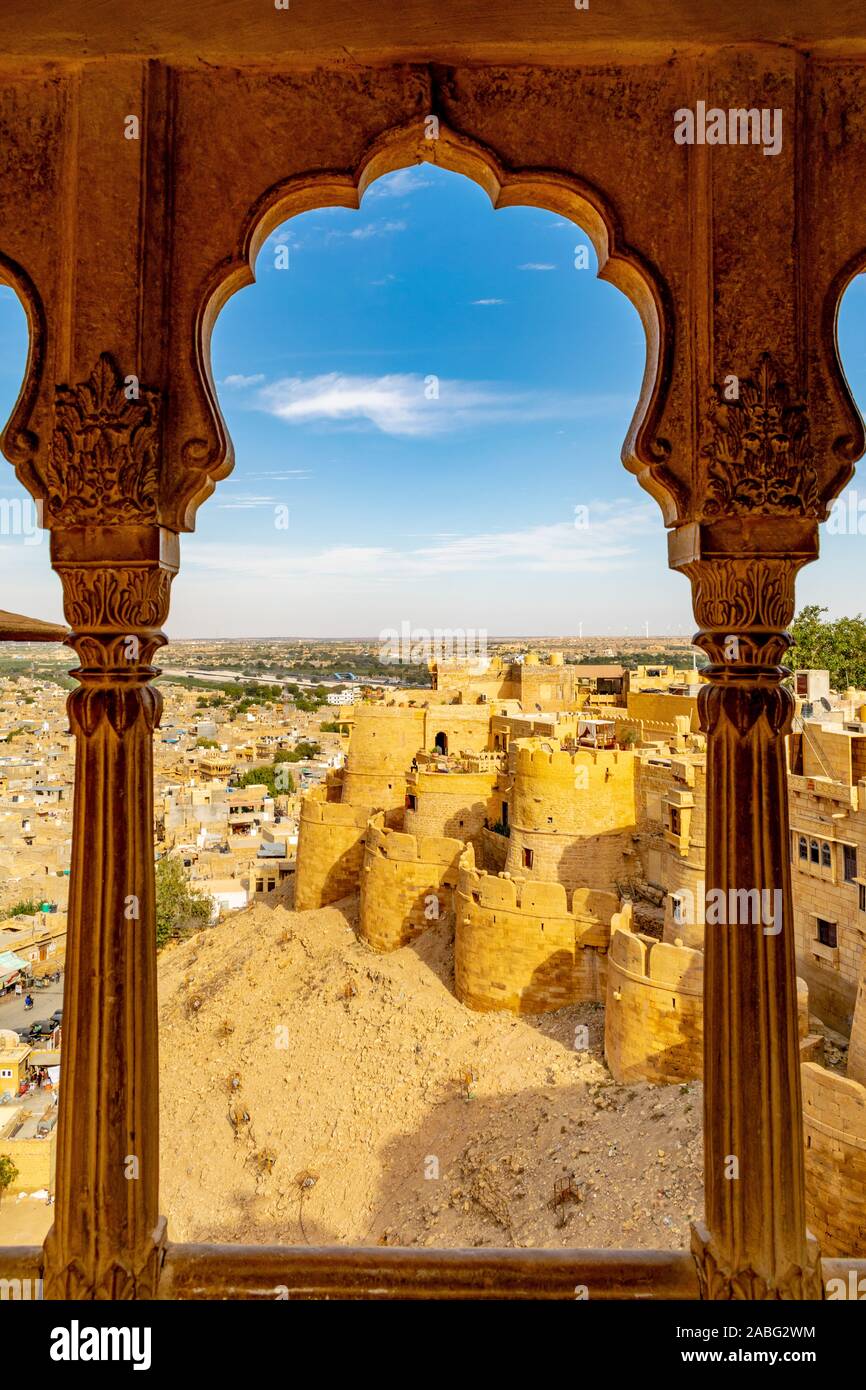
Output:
x=14 y=1015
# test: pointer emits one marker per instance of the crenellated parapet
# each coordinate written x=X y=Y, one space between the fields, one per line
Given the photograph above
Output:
x=538 y=758
x=572 y=814
x=654 y=1015
x=330 y=850
x=527 y=946
x=407 y=883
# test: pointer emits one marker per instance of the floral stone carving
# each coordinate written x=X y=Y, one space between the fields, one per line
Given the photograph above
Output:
x=760 y=457
x=103 y=464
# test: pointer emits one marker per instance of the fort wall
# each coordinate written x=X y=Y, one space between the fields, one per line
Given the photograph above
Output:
x=654 y=707
x=383 y=743
x=572 y=815
x=465 y=728
x=407 y=882
x=834 y=1127
x=654 y=1015
x=451 y=803
x=857 y=1045
x=330 y=850
x=523 y=946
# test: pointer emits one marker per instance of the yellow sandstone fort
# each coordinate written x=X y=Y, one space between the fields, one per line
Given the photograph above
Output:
x=554 y=815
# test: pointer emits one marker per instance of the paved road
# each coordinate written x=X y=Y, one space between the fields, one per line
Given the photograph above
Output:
x=14 y=1015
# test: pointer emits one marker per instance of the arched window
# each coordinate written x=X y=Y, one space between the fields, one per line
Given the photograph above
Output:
x=826 y=858
x=813 y=852
x=804 y=848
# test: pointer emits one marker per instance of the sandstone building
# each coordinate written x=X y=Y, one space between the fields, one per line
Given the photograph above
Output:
x=736 y=264
x=573 y=872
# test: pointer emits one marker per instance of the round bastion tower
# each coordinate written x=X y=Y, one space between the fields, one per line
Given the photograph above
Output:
x=572 y=815
x=384 y=741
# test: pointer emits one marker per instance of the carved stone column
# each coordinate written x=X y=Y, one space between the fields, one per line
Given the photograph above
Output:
x=754 y=1243
x=99 y=480
x=106 y=1239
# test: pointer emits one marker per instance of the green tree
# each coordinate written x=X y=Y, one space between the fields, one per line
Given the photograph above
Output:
x=838 y=647
x=305 y=749
x=179 y=908
x=267 y=776
x=8 y=1173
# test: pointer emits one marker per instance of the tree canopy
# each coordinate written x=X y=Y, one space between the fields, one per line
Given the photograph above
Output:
x=179 y=908
x=836 y=646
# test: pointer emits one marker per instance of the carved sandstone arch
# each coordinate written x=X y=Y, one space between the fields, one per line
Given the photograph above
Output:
x=643 y=452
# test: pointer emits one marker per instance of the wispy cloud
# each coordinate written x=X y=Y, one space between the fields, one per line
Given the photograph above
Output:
x=282 y=474
x=245 y=502
x=400 y=404
x=610 y=541
x=370 y=229
x=238 y=382
x=488 y=301
x=536 y=265
x=399 y=184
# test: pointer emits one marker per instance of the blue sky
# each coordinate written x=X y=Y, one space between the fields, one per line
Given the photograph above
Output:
x=419 y=401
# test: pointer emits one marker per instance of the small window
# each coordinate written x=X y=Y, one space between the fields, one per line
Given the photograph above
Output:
x=528 y=856
x=814 y=852
x=826 y=932
x=826 y=858
x=849 y=860
x=804 y=848
x=861 y=894
x=678 y=908
x=675 y=820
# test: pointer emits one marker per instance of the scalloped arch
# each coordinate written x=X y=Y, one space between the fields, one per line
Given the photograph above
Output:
x=848 y=447
x=643 y=452
x=18 y=443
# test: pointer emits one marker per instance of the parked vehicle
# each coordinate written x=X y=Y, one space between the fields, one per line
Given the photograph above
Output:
x=57 y=1016
x=42 y=1029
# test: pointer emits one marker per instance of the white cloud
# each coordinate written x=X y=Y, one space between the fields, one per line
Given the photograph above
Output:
x=370 y=229
x=488 y=301
x=609 y=542
x=246 y=502
x=536 y=265
x=399 y=184
x=398 y=404
x=238 y=382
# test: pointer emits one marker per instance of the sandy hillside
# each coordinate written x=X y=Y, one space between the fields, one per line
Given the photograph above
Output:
x=308 y=1084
